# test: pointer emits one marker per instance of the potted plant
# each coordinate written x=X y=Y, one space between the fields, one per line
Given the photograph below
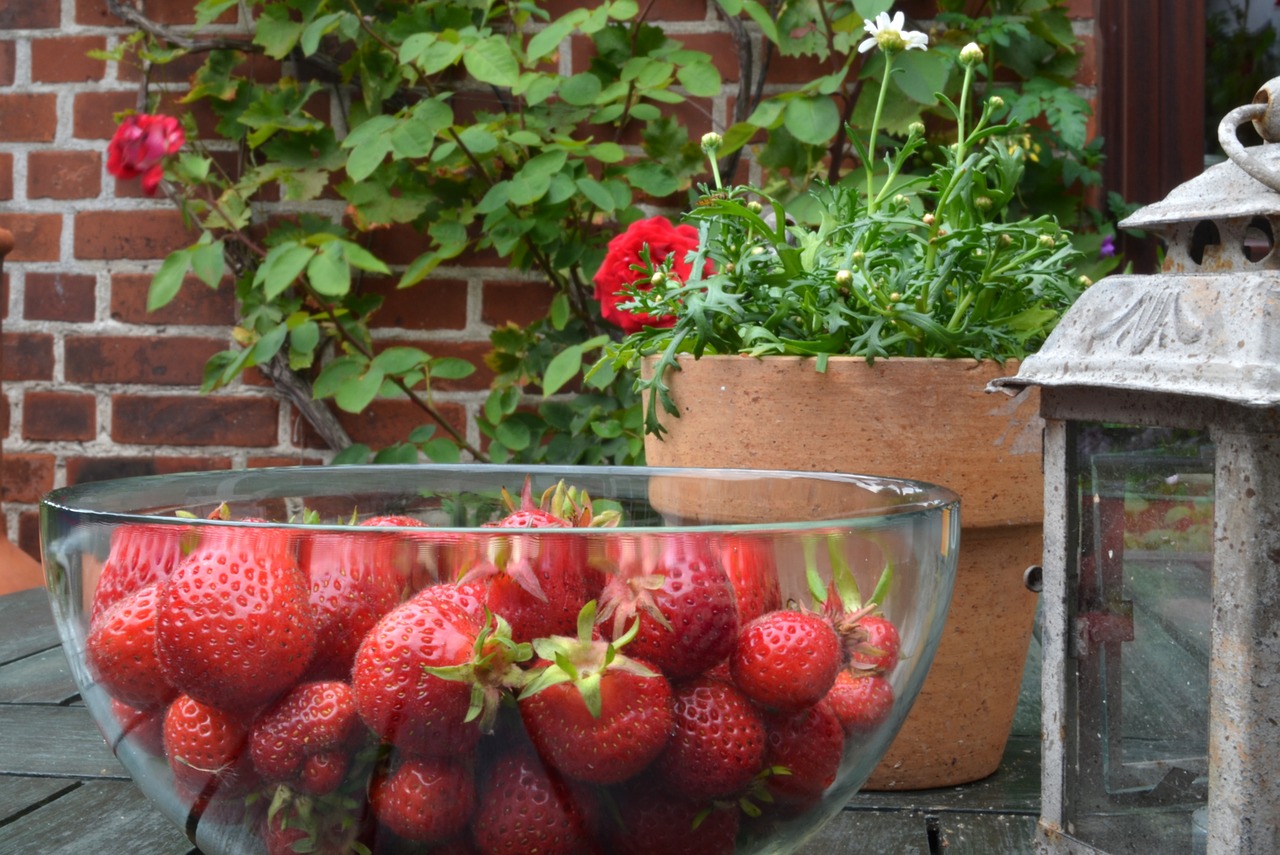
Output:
x=857 y=331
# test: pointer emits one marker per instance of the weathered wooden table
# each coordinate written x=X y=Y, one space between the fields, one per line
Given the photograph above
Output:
x=62 y=792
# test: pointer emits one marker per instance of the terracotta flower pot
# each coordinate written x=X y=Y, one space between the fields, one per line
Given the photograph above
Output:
x=924 y=419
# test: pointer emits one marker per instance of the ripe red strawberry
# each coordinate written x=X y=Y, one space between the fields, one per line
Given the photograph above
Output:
x=873 y=643
x=140 y=555
x=752 y=569
x=684 y=602
x=235 y=627
x=412 y=556
x=207 y=749
x=809 y=746
x=653 y=821
x=429 y=675
x=594 y=714
x=862 y=702
x=539 y=583
x=353 y=580
x=426 y=799
x=718 y=742
x=523 y=807
x=786 y=660
x=143 y=728
x=121 y=651
x=307 y=737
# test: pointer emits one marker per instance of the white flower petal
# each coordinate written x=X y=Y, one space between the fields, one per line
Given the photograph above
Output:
x=899 y=21
x=916 y=40
x=866 y=44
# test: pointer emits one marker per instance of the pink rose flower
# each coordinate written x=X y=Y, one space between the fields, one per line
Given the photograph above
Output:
x=139 y=147
x=623 y=257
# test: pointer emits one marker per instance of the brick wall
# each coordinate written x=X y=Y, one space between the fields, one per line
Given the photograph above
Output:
x=93 y=385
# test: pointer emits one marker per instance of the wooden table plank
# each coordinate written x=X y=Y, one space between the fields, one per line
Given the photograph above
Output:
x=865 y=831
x=41 y=678
x=20 y=794
x=97 y=817
x=27 y=625
x=54 y=740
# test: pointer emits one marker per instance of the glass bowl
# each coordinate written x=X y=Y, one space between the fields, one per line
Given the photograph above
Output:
x=499 y=659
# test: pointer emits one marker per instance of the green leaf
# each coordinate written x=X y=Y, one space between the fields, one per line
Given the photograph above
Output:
x=491 y=61
x=442 y=450
x=358 y=392
x=451 y=368
x=309 y=41
x=653 y=178
x=167 y=282
x=812 y=120
x=401 y=453
x=208 y=262
x=275 y=32
x=360 y=257
x=549 y=38
x=328 y=271
x=282 y=266
x=919 y=74
x=368 y=156
x=400 y=360
x=581 y=90
x=560 y=311
x=701 y=79
x=607 y=152
x=514 y=434
x=269 y=345
x=354 y=454
x=563 y=367
x=596 y=193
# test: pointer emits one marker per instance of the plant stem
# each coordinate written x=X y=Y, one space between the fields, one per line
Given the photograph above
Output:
x=869 y=166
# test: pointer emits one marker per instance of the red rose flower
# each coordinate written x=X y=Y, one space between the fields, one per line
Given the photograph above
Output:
x=139 y=147
x=622 y=259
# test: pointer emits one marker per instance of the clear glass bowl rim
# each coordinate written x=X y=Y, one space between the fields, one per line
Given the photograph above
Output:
x=102 y=499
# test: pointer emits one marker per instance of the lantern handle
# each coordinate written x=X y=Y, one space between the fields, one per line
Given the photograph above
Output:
x=1267 y=123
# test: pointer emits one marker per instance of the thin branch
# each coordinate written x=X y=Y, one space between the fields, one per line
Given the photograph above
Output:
x=130 y=15
x=299 y=393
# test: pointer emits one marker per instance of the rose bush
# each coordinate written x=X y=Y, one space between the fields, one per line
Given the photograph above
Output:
x=139 y=148
x=654 y=243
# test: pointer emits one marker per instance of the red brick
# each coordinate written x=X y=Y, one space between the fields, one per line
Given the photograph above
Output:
x=53 y=416
x=6 y=176
x=36 y=237
x=181 y=12
x=194 y=420
x=16 y=15
x=94 y=13
x=520 y=303
x=386 y=422
x=94 y=113
x=82 y=470
x=29 y=116
x=59 y=297
x=29 y=533
x=4 y=414
x=66 y=59
x=434 y=304
x=64 y=174
x=398 y=244
x=661 y=10
x=113 y=235
x=8 y=63
x=722 y=49
x=28 y=356
x=1087 y=75
x=266 y=462
x=27 y=477
x=157 y=360
x=195 y=305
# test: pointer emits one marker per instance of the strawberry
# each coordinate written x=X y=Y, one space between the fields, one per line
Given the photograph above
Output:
x=235 y=627
x=749 y=562
x=718 y=742
x=140 y=555
x=410 y=554
x=307 y=737
x=809 y=746
x=121 y=651
x=873 y=643
x=523 y=807
x=786 y=659
x=539 y=583
x=354 y=581
x=653 y=821
x=143 y=728
x=426 y=799
x=325 y=825
x=861 y=701
x=429 y=675
x=592 y=713
x=206 y=748
x=684 y=602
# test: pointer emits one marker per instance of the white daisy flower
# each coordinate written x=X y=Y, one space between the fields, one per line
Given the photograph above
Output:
x=889 y=35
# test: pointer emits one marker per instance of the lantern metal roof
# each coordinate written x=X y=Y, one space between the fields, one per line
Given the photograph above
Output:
x=1206 y=325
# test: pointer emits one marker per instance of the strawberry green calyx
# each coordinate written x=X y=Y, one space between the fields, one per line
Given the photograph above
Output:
x=493 y=670
x=582 y=661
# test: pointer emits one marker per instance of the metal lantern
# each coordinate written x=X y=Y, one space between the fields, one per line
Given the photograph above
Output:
x=1161 y=575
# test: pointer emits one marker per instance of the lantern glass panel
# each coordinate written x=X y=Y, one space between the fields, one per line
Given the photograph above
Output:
x=1141 y=635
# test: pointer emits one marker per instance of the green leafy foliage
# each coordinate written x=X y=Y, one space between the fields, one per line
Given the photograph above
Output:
x=456 y=120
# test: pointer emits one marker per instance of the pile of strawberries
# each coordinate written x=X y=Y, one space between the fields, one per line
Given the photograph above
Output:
x=411 y=689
